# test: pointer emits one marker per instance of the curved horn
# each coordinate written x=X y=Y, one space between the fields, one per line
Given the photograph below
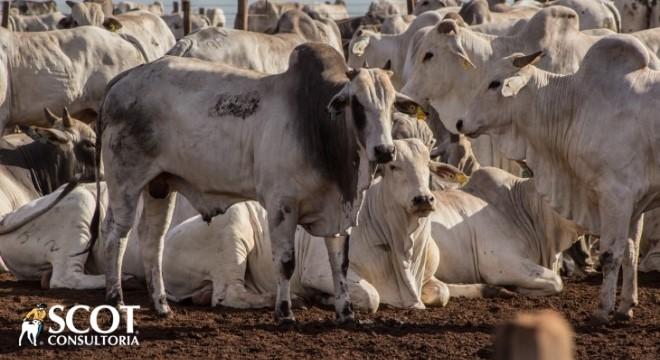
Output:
x=66 y=118
x=532 y=59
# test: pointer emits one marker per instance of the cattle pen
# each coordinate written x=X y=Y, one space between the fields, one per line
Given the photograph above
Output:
x=340 y=179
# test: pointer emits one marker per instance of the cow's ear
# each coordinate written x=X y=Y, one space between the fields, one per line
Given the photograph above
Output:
x=360 y=45
x=112 y=24
x=339 y=101
x=447 y=172
x=512 y=85
x=51 y=118
x=70 y=3
x=406 y=105
x=44 y=135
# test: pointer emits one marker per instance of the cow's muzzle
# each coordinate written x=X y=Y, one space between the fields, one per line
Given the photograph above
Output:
x=384 y=153
x=423 y=205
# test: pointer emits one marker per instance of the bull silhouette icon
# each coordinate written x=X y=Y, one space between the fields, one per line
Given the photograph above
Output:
x=32 y=325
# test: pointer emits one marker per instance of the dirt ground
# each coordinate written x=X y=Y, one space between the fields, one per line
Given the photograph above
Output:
x=463 y=329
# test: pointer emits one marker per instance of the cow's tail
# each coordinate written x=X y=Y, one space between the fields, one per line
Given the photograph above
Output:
x=615 y=13
x=9 y=228
x=138 y=45
x=181 y=47
x=94 y=226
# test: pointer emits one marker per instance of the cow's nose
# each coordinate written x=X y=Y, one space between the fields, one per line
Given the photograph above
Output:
x=459 y=125
x=423 y=200
x=384 y=153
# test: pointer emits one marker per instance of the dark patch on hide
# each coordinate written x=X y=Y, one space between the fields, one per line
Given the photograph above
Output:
x=344 y=261
x=279 y=218
x=327 y=141
x=238 y=105
x=288 y=267
x=208 y=216
x=138 y=130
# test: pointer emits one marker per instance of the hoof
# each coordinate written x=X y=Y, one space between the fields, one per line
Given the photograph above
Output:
x=598 y=320
x=164 y=311
x=286 y=322
x=623 y=316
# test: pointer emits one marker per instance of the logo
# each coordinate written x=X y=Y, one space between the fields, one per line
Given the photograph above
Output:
x=90 y=334
x=33 y=323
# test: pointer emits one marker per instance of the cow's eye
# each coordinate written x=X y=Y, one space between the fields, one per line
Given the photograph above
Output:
x=494 y=84
x=394 y=168
x=428 y=56
x=424 y=3
x=88 y=144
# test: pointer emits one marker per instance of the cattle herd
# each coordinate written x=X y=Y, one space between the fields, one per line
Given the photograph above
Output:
x=470 y=149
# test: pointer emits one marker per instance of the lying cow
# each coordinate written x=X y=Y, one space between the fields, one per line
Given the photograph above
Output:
x=228 y=262
x=251 y=50
x=498 y=231
x=603 y=190
x=148 y=30
x=38 y=162
x=331 y=142
x=64 y=67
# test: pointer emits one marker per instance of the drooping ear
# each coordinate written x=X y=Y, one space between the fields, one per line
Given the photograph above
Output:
x=50 y=117
x=447 y=172
x=112 y=24
x=511 y=86
x=406 y=105
x=524 y=60
x=339 y=102
x=66 y=118
x=360 y=45
x=352 y=73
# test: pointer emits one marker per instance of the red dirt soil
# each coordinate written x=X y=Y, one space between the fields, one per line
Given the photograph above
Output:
x=463 y=329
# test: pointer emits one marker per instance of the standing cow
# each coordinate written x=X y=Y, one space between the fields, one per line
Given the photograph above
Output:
x=562 y=126
x=320 y=123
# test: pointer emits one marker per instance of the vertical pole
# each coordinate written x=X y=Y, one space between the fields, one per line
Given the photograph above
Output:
x=175 y=7
x=411 y=6
x=5 y=14
x=242 y=15
x=187 y=26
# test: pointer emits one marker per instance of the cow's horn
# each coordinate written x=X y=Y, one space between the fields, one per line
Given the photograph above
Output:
x=532 y=59
x=66 y=118
x=447 y=27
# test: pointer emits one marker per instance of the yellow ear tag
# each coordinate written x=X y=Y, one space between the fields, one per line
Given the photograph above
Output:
x=462 y=179
x=421 y=116
x=113 y=28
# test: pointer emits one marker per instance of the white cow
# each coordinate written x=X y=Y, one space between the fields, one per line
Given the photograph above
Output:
x=498 y=231
x=175 y=23
x=64 y=67
x=252 y=50
x=371 y=49
x=336 y=136
x=458 y=59
x=391 y=259
x=638 y=15
x=147 y=29
x=126 y=6
x=43 y=22
x=603 y=180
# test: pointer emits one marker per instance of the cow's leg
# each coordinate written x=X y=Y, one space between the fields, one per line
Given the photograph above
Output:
x=338 y=254
x=116 y=226
x=536 y=280
x=71 y=275
x=282 y=222
x=156 y=217
x=363 y=294
x=629 y=297
x=615 y=219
